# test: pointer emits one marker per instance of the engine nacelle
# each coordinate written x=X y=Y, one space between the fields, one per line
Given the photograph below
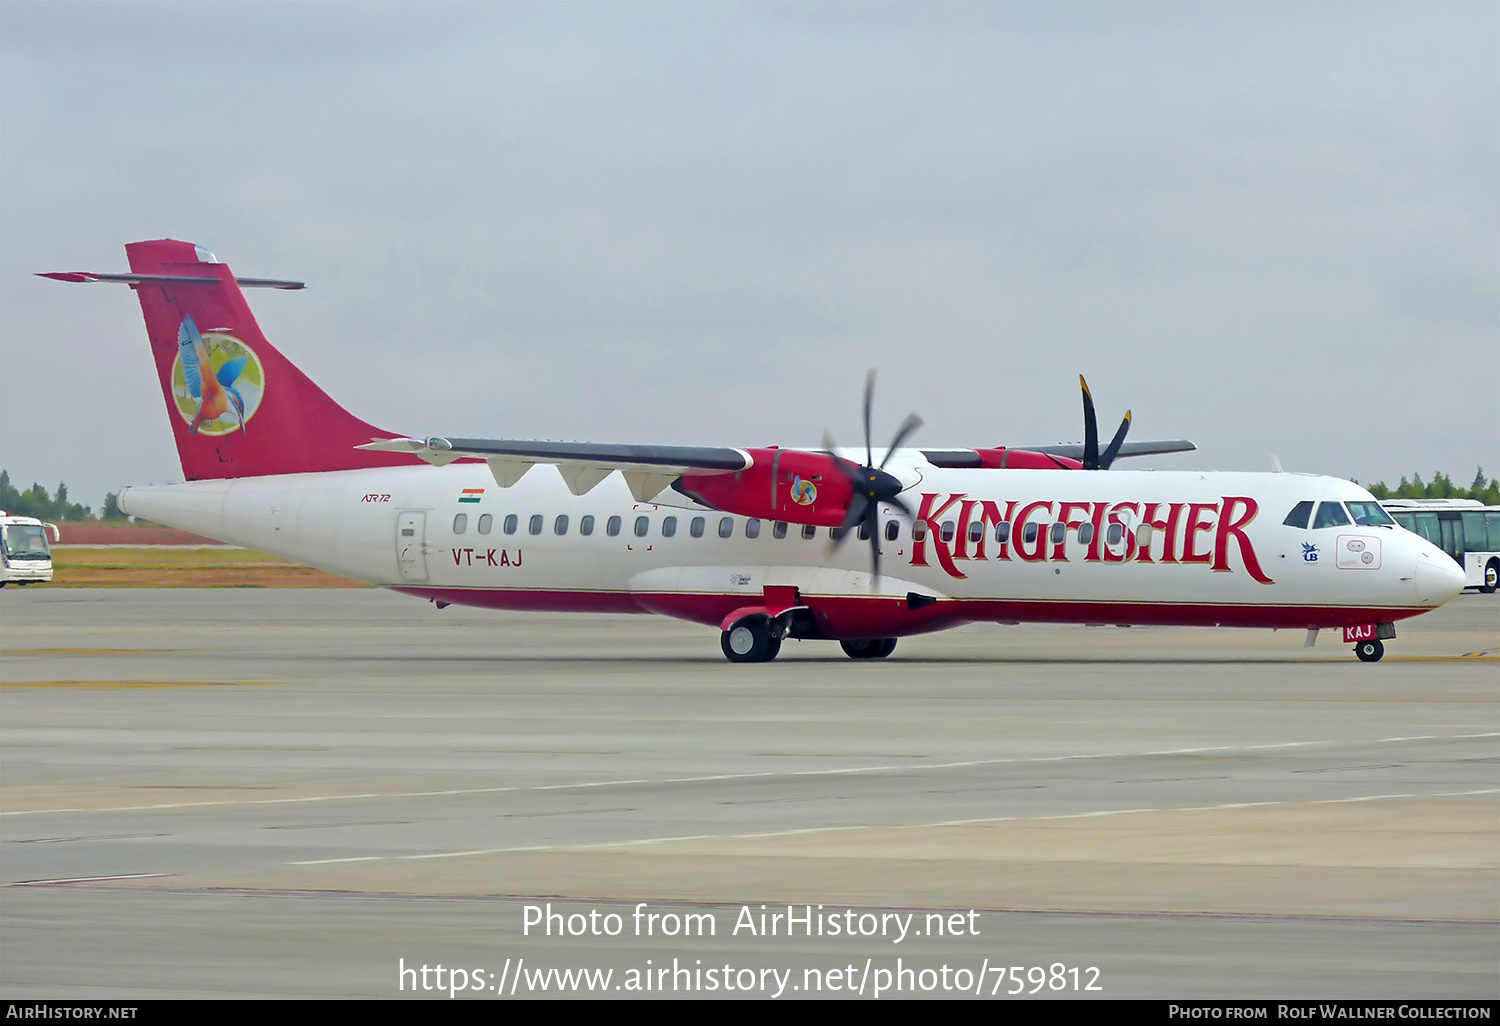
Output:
x=783 y=484
x=1022 y=459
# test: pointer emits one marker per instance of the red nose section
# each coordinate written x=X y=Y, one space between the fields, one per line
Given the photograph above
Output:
x=238 y=408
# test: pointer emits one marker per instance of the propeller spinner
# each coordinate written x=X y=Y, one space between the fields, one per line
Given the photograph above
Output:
x=871 y=484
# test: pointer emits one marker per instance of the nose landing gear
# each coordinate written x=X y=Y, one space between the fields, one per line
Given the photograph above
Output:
x=1369 y=651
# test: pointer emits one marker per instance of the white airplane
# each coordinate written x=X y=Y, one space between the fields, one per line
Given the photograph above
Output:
x=747 y=540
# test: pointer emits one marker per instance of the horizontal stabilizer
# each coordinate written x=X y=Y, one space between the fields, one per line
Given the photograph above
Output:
x=167 y=279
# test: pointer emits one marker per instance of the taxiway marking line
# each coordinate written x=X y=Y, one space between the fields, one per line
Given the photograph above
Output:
x=766 y=774
x=897 y=826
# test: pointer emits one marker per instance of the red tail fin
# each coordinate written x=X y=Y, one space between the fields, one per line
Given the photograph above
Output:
x=238 y=407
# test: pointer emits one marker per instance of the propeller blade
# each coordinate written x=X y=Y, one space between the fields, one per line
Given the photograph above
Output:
x=869 y=401
x=1115 y=443
x=910 y=424
x=857 y=506
x=872 y=527
x=903 y=507
x=1090 y=429
x=775 y=477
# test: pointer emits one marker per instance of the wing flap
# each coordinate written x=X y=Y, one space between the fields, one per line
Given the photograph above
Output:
x=648 y=469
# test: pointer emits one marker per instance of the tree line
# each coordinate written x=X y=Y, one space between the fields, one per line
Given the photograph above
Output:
x=1440 y=487
x=37 y=502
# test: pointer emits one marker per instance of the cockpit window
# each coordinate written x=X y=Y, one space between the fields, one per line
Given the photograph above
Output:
x=1330 y=514
x=1299 y=514
x=1368 y=514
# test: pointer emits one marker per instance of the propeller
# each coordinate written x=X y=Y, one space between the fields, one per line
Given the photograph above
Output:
x=871 y=484
x=1092 y=460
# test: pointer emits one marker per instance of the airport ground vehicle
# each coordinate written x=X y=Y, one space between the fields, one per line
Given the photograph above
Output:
x=747 y=540
x=25 y=556
x=1466 y=529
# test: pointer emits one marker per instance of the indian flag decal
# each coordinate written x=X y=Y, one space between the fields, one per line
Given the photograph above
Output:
x=471 y=495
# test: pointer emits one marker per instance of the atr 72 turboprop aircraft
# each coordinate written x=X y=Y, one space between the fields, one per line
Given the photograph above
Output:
x=747 y=540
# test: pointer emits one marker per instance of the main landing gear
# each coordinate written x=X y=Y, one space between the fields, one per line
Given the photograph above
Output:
x=757 y=639
x=1369 y=651
x=869 y=648
x=750 y=641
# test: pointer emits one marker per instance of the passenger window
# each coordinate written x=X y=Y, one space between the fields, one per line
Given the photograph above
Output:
x=976 y=531
x=1143 y=535
x=1085 y=533
x=1369 y=514
x=809 y=532
x=485 y=523
x=726 y=527
x=919 y=530
x=778 y=529
x=535 y=527
x=1115 y=534
x=1299 y=514
x=1059 y=531
x=510 y=524
x=1330 y=514
x=612 y=526
x=836 y=533
x=461 y=523
x=560 y=525
x=642 y=525
x=669 y=527
x=1002 y=533
x=696 y=528
x=752 y=528
x=863 y=532
x=892 y=530
x=1029 y=533
x=949 y=528
x=586 y=526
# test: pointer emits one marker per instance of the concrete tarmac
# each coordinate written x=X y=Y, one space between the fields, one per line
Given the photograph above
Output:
x=299 y=793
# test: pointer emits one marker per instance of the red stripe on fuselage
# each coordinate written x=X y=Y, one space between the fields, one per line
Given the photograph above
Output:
x=846 y=616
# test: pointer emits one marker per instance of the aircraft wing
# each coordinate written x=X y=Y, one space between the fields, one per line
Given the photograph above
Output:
x=647 y=469
x=1071 y=450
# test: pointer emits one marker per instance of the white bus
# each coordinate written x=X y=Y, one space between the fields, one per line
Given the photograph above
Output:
x=1466 y=529
x=25 y=556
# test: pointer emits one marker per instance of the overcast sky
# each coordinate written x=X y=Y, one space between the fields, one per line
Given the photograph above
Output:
x=1269 y=228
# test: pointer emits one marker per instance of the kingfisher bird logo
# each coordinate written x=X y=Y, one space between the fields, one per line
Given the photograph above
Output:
x=217 y=380
x=804 y=493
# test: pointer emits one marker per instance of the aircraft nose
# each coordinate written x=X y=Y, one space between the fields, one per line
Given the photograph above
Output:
x=1439 y=577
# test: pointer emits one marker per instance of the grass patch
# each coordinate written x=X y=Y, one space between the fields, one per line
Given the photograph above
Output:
x=184 y=568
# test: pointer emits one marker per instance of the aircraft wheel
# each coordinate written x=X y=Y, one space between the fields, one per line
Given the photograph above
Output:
x=868 y=648
x=748 y=642
x=1369 y=651
x=1491 y=577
